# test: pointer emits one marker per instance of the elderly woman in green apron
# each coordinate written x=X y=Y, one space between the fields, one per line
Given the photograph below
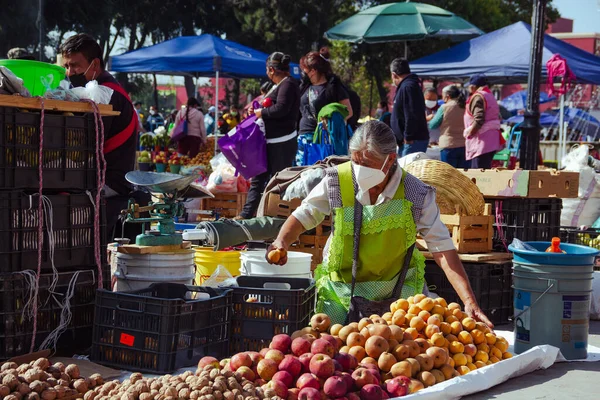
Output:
x=396 y=207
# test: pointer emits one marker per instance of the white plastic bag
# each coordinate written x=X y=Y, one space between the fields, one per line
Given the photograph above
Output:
x=221 y=277
x=584 y=210
x=92 y=91
x=300 y=188
x=222 y=179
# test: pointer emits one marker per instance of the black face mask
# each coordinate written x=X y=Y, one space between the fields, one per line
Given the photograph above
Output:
x=79 y=80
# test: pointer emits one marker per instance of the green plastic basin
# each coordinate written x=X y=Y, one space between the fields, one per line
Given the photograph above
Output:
x=37 y=76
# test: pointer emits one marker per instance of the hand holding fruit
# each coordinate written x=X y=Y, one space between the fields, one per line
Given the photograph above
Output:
x=473 y=311
x=276 y=254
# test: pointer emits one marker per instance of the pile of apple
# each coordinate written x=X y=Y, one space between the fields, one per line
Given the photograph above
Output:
x=160 y=157
x=175 y=159
x=419 y=343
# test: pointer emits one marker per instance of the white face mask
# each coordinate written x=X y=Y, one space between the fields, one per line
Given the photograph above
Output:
x=430 y=103
x=367 y=178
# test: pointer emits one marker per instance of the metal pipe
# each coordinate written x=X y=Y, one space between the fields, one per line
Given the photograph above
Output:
x=216 y=130
x=531 y=128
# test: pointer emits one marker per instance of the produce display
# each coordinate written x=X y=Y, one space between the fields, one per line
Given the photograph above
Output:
x=160 y=158
x=145 y=157
x=147 y=141
x=419 y=343
x=174 y=159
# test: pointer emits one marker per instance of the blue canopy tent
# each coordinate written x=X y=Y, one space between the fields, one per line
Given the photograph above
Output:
x=518 y=100
x=503 y=56
x=198 y=56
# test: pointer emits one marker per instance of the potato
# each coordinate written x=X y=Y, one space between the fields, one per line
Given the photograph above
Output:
x=80 y=385
x=146 y=396
x=98 y=378
x=32 y=396
x=89 y=396
x=23 y=368
x=60 y=366
x=12 y=396
x=23 y=388
x=42 y=363
x=73 y=371
x=11 y=381
x=136 y=376
x=49 y=394
x=60 y=391
x=8 y=365
x=36 y=386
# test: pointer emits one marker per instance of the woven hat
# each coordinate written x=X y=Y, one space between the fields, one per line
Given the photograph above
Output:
x=453 y=188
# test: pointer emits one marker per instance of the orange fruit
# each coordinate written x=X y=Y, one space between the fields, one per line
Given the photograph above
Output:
x=456 y=327
x=425 y=315
x=480 y=364
x=456 y=347
x=418 y=297
x=501 y=344
x=471 y=366
x=459 y=359
x=441 y=301
x=450 y=319
x=426 y=304
x=438 y=339
x=418 y=323
x=482 y=356
x=506 y=355
x=412 y=332
x=490 y=338
x=469 y=324
x=465 y=337
x=431 y=329
x=494 y=359
x=403 y=304
x=437 y=309
x=483 y=347
x=478 y=336
x=445 y=328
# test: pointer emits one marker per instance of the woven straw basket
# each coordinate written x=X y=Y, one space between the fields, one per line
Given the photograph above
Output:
x=455 y=191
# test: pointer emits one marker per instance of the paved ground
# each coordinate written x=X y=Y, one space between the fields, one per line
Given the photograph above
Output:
x=577 y=380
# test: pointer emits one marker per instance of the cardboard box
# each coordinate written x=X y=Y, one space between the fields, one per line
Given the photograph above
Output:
x=522 y=183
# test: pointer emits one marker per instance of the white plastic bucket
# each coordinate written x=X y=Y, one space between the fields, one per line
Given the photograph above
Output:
x=138 y=271
x=253 y=263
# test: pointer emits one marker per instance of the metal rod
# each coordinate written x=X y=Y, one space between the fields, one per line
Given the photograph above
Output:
x=406 y=50
x=562 y=131
x=40 y=24
x=216 y=130
x=530 y=146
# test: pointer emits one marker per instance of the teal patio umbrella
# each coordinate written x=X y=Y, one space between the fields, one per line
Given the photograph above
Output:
x=397 y=22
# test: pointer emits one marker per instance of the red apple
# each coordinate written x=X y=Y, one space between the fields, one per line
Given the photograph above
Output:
x=347 y=378
x=274 y=355
x=293 y=394
x=245 y=372
x=348 y=361
x=309 y=393
x=330 y=339
x=285 y=377
x=255 y=357
x=263 y=352
x=322 y=366
x=300 y=346
x=204 y=361
x=292 y=365
x=259 y=382
x=353 y=396
x=371 y=392
x=398 y=386
x=308 y=380
x=279 y=387
x=305 y=361
x=240 y=360
x=266 y=369
x=335 y=386
x=281 y=342
x=338 y=366
x=363 y=377
x=322 y=346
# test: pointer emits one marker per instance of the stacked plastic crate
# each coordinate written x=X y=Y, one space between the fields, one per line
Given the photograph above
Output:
x=48 y=269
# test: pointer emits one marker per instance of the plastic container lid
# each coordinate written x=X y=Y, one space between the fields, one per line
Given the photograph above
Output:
x=575 y=254
x=37 y=76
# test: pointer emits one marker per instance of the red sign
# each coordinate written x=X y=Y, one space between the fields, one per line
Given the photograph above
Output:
x=127 y=340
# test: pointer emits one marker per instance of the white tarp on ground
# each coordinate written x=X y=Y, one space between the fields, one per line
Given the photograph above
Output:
x=539 y=357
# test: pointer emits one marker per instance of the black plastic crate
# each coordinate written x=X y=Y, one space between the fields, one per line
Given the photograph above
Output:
x=71 y=217
x=259 y=312
x=585 y=237
x=529 y=220
x=16 y=328
x=69 y=150
x=491 y=283
x=161 y=328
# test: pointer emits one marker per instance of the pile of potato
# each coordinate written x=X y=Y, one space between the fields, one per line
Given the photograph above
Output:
x=39 y=380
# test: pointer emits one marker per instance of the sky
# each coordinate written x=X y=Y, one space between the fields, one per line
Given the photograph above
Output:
x=585 y=13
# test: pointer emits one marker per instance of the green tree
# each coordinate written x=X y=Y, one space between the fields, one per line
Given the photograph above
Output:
x=488 y=15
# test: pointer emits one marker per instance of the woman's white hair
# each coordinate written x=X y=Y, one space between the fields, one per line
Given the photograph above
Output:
x=375 y=137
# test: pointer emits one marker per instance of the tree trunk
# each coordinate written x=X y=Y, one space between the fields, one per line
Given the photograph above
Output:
x=190 y=87
x=155 y=91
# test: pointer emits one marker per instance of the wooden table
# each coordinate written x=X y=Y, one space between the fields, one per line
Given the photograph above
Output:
x=34 y=103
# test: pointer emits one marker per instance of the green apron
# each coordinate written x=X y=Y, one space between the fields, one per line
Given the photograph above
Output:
x=387 y=232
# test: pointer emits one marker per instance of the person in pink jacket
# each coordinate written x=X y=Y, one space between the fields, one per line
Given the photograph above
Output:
x=482 y=124
x=196 y=130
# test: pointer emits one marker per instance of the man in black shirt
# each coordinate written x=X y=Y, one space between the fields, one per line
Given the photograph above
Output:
x=82 y=57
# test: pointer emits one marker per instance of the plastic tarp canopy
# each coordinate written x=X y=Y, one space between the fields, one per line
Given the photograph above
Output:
x=503 y=56
x=200 y=56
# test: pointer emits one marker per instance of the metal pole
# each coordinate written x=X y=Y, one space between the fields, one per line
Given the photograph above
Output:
x=530 y=145
x=405 y=50
x=562 y=135
x=216 y=131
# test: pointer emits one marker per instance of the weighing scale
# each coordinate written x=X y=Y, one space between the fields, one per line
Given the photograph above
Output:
x=171 y=188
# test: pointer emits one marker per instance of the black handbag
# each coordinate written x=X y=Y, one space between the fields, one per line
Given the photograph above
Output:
x=361 y=307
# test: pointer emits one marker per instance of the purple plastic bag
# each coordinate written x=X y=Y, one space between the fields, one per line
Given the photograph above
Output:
x=246 y=149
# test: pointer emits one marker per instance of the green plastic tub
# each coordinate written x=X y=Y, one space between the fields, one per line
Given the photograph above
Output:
x=37 y=76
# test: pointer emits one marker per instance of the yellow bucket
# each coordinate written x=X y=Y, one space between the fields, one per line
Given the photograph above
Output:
x=207 y=260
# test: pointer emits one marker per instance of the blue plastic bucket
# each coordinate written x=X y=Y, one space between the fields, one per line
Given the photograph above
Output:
x=552 y=293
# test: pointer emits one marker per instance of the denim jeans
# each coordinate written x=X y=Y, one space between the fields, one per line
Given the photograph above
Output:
x=455 y=157
x=483 y=161
x=417 y=146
